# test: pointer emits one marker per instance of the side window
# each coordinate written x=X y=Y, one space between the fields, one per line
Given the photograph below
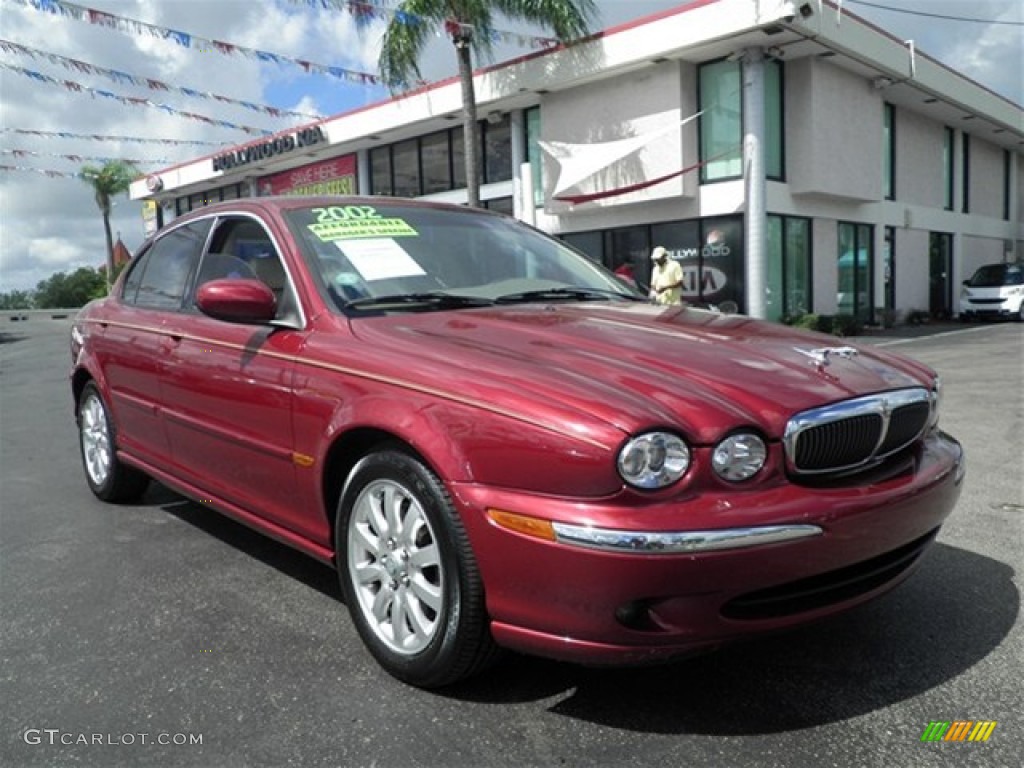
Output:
x=159 y=278
x=134 y=277
x=242 y=248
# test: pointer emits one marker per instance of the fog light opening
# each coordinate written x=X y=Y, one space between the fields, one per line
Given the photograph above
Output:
x=636 y=615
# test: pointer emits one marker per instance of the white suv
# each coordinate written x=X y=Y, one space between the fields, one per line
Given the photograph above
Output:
x=995 y=290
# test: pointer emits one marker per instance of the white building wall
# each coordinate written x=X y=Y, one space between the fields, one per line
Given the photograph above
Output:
x=834 y=128
x=911 y=270
x=825 y=235
x=986 y=179
x=981 y=250
x=919 y=168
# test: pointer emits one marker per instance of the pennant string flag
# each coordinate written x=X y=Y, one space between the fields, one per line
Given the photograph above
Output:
x=83 y=158
x=42 y=171
x=124 y=78
x=134 y=101
x=108 y=137
x=185 y=40
x=363 y=11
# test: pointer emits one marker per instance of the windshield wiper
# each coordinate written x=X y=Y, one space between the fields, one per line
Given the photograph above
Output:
x=568 y=293
x=433 y=300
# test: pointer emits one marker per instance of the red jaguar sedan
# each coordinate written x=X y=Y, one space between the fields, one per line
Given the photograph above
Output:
x=499 y=444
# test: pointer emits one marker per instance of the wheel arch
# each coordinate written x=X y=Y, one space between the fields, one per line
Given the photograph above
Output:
x=79 y=379
x=346 y=451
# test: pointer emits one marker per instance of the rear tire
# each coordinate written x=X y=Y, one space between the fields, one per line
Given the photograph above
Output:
x=108 y=477
x=408 y=573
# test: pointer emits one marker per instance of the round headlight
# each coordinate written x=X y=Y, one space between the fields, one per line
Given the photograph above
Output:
x=653 y=460
x=739 y=457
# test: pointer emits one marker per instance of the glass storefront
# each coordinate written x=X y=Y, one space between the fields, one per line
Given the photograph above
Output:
x=710 y=251
x=789 y=267
x=855 y=292
x=436 y=162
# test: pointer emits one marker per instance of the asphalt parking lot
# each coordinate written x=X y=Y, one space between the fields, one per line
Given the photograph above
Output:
x=124 y=627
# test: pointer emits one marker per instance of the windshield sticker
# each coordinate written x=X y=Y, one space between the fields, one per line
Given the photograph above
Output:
x=380 y=259
x=347 y=222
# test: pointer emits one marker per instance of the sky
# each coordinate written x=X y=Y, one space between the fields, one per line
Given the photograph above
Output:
x=49 y=221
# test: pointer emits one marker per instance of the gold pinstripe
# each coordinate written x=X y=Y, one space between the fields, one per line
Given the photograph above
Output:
x=324 y=365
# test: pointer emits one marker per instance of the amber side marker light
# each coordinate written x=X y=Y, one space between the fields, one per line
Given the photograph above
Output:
x=529 y=526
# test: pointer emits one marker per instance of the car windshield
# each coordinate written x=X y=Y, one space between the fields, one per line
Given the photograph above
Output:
x=996 y=275
x=382 y=256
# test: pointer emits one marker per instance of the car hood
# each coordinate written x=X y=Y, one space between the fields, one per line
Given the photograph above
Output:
x=633 y=366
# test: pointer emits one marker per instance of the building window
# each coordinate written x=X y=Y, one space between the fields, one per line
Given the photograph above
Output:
x=436 y=160
x=948 y=171
x=889 y=265
x=1007 y=165
x=789 y=267
x=497 y=146
x=721 y=121
x=458 y=158
x=405 y=164
x=534 y=154
x=720 y=94
x=774 y=126
x=380 y=171
x=889 y=152
x=854 y=291
x=630 y=245
x=503 y=205
x=590 y=244
x=965 y=175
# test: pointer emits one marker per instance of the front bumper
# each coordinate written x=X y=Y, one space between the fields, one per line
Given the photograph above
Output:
x=602 y=594
x=1003 y=308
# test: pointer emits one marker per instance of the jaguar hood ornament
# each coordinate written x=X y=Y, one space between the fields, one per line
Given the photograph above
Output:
x=820 y=356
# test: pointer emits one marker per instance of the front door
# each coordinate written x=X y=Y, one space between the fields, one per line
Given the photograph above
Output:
x=228 y=397
x=229 y=389
x=940 y=270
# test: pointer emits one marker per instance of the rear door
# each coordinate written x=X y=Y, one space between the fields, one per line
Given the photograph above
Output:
x=132 y=343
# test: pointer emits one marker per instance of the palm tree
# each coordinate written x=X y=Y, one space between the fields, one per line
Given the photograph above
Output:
x=107 y=182
x=469 y=25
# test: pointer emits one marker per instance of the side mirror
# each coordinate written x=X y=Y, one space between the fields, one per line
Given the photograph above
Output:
x=967 y=282
x=237 y=301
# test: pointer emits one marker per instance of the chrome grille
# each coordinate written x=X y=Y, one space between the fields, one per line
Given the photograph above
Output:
x=856 y=433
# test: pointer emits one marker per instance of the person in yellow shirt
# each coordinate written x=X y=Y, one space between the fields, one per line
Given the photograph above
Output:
x=666 y=278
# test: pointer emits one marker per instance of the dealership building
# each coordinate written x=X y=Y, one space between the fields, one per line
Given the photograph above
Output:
x=793 y=157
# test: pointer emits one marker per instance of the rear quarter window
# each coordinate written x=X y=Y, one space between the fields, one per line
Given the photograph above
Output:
x=160 y=275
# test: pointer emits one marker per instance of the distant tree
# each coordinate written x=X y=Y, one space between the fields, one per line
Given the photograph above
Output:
x=104 y=286
x=113 y=179
x=16 y=300
x=469 y=24
x=65 y=291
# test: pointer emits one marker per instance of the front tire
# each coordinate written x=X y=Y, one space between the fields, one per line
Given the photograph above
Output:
x=408 y=573
x=109 y=479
